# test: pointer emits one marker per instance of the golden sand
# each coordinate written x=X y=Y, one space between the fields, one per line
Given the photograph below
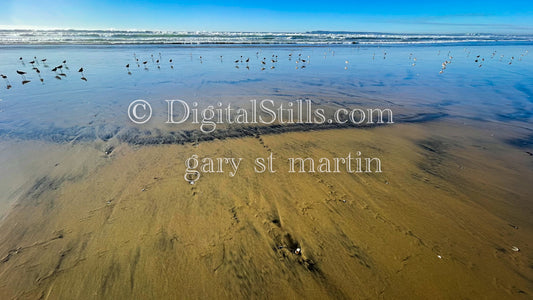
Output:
x=440 y=221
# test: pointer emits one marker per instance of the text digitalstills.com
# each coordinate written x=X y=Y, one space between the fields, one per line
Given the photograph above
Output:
x=265 y=112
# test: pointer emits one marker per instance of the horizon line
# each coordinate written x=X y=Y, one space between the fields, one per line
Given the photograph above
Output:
x=34 y=28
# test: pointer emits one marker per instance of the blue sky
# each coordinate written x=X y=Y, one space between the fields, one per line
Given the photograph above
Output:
x=372 y=15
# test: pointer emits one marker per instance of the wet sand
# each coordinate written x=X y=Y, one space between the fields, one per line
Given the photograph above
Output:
x=95 y=207
x=439 y=222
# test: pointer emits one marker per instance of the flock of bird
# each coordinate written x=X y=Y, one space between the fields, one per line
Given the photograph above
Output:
x=479 y=60
x=38 y=65
x=242 y=62
x=301 y=62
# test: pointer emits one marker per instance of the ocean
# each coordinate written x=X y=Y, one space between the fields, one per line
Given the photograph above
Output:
x=24 y=37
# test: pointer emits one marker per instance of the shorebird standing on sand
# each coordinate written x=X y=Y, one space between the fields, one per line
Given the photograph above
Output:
x=82 y=75
x=8 y=85
x=24 y=80
x=22 y=73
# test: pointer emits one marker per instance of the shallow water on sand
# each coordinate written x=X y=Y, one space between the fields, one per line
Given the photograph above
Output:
x=406 y=79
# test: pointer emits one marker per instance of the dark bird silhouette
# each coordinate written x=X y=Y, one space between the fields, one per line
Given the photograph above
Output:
x=82 y=75
x=8 y=84
x=57 y=77
x=22 y=73
x=25 y=82
x=43 y=60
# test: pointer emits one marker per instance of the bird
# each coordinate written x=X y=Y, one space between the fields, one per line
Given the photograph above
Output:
x=82 y=75
x=22 y=73
x=8 y=84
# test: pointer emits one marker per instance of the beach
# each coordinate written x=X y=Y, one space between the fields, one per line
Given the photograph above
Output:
x=95 y=206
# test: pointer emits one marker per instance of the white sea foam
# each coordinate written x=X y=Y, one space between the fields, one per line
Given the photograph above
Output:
x=18 y=37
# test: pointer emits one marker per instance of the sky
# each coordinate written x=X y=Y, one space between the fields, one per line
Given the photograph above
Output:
x=445 y=16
